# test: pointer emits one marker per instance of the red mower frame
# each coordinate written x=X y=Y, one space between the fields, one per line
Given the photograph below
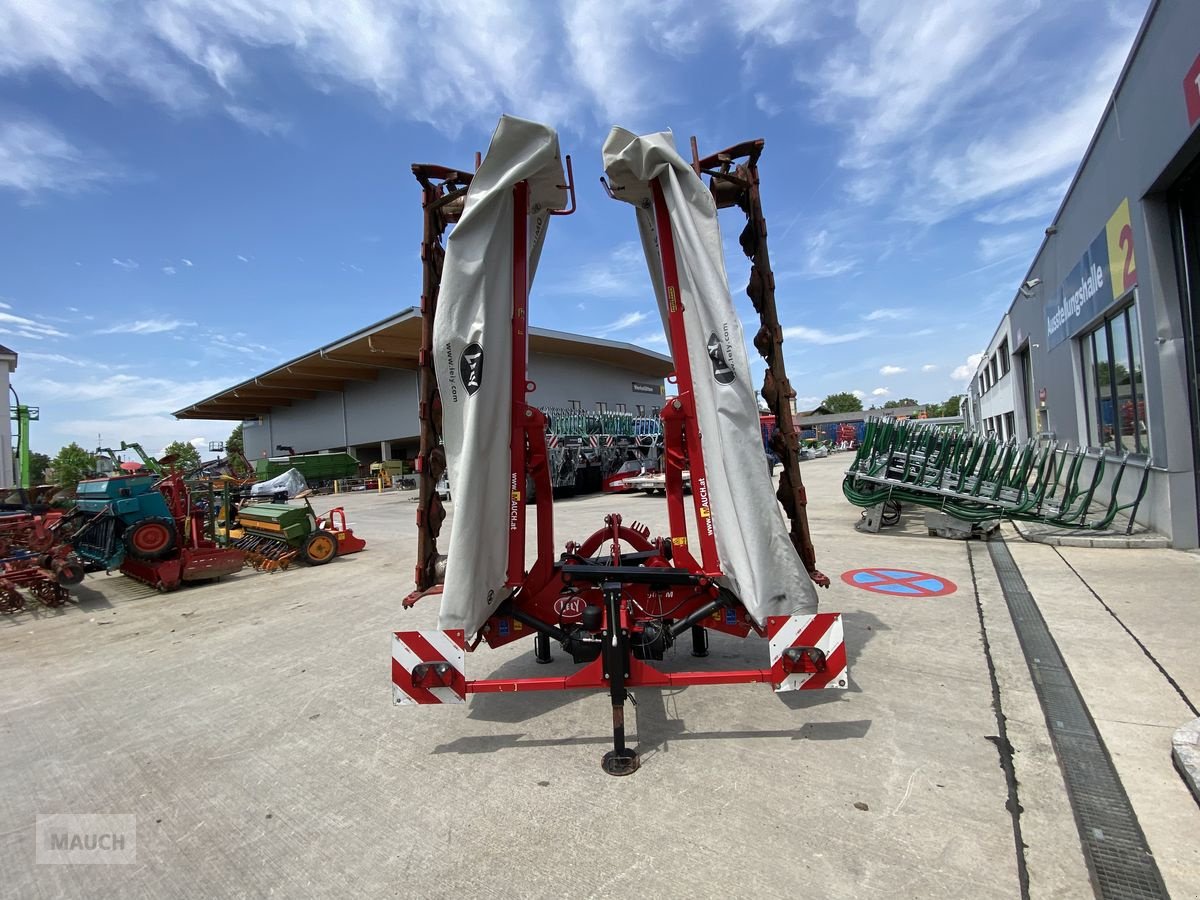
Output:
x=618 y=600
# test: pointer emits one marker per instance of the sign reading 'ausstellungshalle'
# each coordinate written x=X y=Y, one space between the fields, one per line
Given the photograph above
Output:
x=1106 y=272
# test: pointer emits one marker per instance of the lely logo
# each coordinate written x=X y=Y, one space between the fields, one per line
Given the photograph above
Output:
x=721 y=371
x=470 y=367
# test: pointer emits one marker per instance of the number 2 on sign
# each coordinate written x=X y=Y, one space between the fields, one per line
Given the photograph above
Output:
x=1122 y=262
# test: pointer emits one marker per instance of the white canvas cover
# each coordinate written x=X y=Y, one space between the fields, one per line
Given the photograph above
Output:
x=472 y=340
x=759 y=561
x=291 y=481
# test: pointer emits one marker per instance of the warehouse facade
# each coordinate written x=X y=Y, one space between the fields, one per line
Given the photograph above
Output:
x=1099 y=346
x=359 y=393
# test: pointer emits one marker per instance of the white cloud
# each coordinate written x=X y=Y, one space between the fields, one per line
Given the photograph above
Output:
x=1038 y=203
x=821 y=256
x=967 y=372
x=859 y=394
x=807 y=335
x=258 y=120
x=770 y=22
x=767 y=105
x=127 y=264
x=168 y=270
x=892 y=370
x=147 y=326
x=929 y=367
x=653 y=338
x=193 y=56
x=57 y=359
x=880 y=392
x=620 y=273
x=35 y=157
x=1007 y=246
x=908 y=63
x=4 y=305
x=945 y=111
x=187 y=262
x=626 y=321
x=1013 y=155
x=886 y=314
x=33 y=329
x=128 y=395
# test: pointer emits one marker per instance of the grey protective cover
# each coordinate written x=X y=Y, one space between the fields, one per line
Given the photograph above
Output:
x=472 y=340
x=760 y=564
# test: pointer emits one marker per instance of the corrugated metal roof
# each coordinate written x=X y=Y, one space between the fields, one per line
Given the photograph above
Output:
x=391 y=344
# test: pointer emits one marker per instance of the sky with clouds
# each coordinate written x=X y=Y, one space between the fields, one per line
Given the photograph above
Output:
x=192 y=191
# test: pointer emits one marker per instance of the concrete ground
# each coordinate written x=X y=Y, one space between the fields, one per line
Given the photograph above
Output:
x=248 y=727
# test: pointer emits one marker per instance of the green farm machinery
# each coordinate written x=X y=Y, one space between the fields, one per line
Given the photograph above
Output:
x=976 y=478
x=318 y=469
x=274 y=534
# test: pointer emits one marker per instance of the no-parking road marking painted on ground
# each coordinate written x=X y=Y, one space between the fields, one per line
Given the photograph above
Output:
x=899 y=582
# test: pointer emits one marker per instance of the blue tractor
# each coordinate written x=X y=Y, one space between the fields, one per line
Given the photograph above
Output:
x=148 y=527
x=123 y=515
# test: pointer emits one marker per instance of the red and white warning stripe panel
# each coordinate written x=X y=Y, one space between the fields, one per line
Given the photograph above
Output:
x=807 y=652
x=429 y=667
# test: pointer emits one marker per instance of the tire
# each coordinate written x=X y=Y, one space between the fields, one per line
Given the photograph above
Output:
x=151 y=538
x=319 y=548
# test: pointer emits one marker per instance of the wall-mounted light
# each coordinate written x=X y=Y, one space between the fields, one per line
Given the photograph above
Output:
x=1026 y=289
x=1053 y=229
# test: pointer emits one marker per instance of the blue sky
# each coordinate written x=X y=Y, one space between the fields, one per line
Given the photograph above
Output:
x=192 y=191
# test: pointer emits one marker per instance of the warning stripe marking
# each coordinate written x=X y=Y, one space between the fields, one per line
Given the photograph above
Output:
x=412 y=648
x=823 y=631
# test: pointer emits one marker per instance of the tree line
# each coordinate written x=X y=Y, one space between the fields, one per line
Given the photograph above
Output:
x=73 y=463
x=845 y=401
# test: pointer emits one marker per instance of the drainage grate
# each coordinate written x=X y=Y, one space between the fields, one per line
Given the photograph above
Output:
x=1118 y=856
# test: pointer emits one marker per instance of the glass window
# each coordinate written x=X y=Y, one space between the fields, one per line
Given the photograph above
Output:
x=1112 y=366
x=1138 y=426
x=1010 y=425
x=575 y=405
x=641 y=409
x=1004 y=363
x=601 y=406
x=621 y=407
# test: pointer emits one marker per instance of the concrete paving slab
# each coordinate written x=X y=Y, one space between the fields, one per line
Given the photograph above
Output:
x=249 y=728
x=1053 y=854
x=1157 y=596
x=1136 y=710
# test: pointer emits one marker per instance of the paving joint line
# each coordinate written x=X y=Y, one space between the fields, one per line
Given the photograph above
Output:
x=1145 y=650
x=1003 y=745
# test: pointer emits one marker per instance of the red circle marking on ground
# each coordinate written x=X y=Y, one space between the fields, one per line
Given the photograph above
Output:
x=897 y=582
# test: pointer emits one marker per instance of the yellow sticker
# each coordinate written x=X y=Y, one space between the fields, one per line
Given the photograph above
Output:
x=1121 y=262
x=679 y=541
x=516 y=495
x=517 y=626
x=671 y=299
x=704 y=513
